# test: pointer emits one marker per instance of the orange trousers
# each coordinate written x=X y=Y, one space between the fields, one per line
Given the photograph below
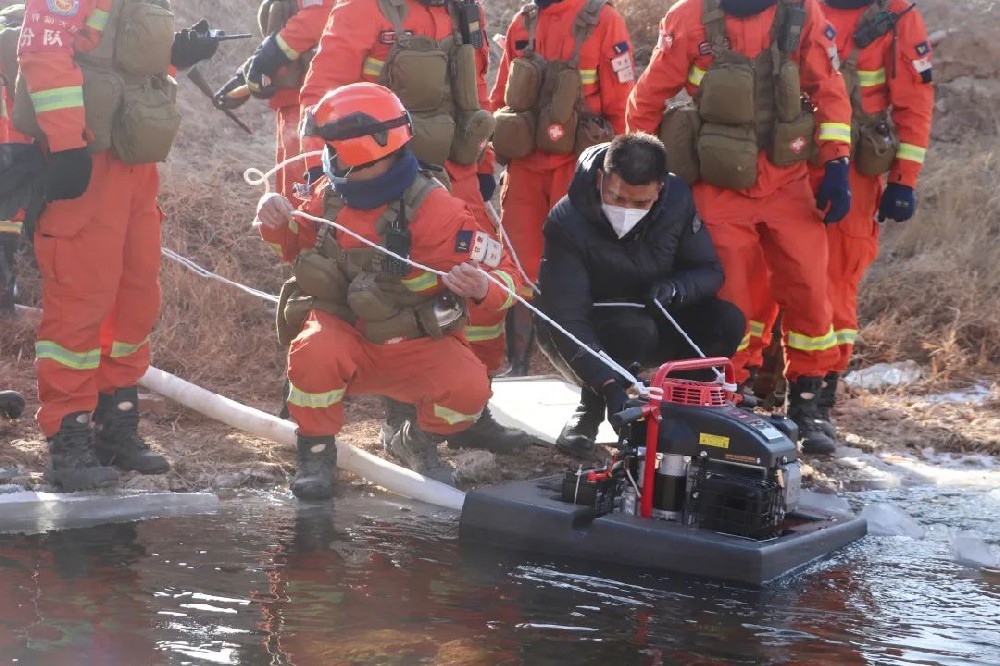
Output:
x=99 y=257
x=787 y=229
x=527 y=196
x=330 y=359
x=286 y=144
x=852 y=247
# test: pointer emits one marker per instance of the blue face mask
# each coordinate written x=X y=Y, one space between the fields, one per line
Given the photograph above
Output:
x=375 y=192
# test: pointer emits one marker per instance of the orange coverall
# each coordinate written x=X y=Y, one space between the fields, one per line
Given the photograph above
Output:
x=891 y=75
x=300 y=34
x=331 y=358
x=99 y=255
x=534 y=184
x=777 y=215
x=353 y=48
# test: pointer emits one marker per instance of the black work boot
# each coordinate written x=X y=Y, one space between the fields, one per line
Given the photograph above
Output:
x=579 y=435
x=317 y=467
x=804 y=409
x=487 y=434
x=827 y=399
x=519 y=329
x=417 y=450
x=73 y=463
x=117 y=434
x=396 y=413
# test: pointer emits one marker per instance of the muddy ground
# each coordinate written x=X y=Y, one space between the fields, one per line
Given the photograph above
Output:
x=208 y=455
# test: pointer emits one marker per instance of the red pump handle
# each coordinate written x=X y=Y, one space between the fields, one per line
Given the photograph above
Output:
x=694 y=364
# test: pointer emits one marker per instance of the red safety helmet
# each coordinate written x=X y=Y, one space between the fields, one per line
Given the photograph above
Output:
x=360 y=122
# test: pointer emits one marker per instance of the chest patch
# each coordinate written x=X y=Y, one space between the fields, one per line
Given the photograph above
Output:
x=388 y=37
x=486 y=250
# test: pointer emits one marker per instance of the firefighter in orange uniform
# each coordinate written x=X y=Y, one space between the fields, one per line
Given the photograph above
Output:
x=542 y=125
x=275 y=72
x=98 y=240
x=763 y=75
x=434 y=55
x=360 y=322
x=885 y=58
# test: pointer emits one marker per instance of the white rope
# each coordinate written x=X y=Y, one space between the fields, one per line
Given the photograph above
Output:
x=254 y=176
x=498 y=221
x=204 y=272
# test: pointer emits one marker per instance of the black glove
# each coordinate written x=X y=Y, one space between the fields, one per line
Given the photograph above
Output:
x=224 y=99
x=898 y=203
x=22 y=179
x=265 y=62
x=487 y=186
x=615 y=397
x=191 y=46
x=669 y=293
x=68 y=174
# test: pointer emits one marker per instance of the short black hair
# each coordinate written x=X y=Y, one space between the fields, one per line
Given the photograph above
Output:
x=637 y=158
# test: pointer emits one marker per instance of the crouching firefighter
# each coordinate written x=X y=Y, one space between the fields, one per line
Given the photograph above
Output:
x=361 y=322
x=626 y=235
x=95 y=90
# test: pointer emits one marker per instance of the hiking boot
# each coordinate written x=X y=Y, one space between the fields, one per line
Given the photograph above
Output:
x=579 y=435
x=117 y=434
x=396 y=413
x=804 y=409
x=827 y=399
x=73 y=463
x=487 y=434
x=11 y=404
x=317 y=468
x=417 y=450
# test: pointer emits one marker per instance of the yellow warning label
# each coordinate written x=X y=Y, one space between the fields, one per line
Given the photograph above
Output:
x=718 y=441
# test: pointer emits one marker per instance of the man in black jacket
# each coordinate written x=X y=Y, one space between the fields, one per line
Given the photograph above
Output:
x=627 y=233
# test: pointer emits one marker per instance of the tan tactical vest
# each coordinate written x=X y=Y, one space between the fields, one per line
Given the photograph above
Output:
x=10 y=24
x=358 y=285
x=272 y=15
x=873 y=136
x=129 y=98
x=742 y=106
x=544 y=106
x=437 y=83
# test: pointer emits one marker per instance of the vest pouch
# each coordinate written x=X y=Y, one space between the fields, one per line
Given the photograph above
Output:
x=402 y=326
x=555 y=137
x=679 y=131
x=464 y=77
x=726 y=95
x=293 y=308
x=147 y=121
x=8 y=57
x=593 y=129
x=320 y=276
x=877 y=145
x=561 y=91
x=514 y=136
x=728 y=155
x=472 y=134
x=788 y=93
x=144 y=39
x=433 y=134
x=793 y=142
x=272 y=15
x=367 y=300
x=418 y=74
x=103 y=91
x=524 y=82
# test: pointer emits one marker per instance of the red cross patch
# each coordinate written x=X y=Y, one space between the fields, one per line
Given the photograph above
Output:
x=798 y=145
x=556 y=132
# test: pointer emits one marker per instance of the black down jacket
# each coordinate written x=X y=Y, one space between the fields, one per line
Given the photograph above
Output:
x=584 y=262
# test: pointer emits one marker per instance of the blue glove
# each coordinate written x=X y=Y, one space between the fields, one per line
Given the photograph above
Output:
x=898 y=203
x=487 y=186
x=263 y=64
x=835 y=191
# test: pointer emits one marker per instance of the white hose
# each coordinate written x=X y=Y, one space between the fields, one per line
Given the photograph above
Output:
x=393 y=478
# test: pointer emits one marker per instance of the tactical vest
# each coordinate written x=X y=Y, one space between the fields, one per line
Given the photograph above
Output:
x=272 y=15
x=544 y=105
x=130 y=100
x=743 y=105
x=874 y=140
x=10 y=32
x=363 y=286
x=437 y=82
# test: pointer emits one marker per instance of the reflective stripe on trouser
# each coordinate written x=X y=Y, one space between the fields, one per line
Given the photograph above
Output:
x=286 y=145
x=99 y=257
x=785 y=226
x=526 y=199
x=329 y=359
x=763 y=312
x=487 y=338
